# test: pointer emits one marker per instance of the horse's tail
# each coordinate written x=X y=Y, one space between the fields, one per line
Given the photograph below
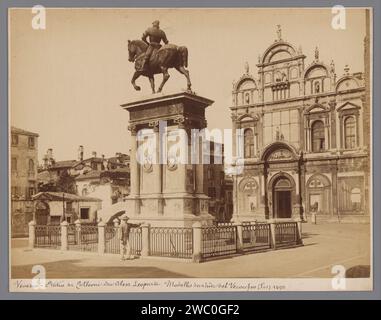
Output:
x=184 y=56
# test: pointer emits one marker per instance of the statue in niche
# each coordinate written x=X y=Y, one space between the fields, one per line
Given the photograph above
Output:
x=317 y=87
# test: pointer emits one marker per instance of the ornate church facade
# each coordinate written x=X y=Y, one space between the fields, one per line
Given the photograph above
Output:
x=306 y=138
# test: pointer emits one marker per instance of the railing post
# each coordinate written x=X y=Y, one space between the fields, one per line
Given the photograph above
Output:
x=145 y=240
x=101 y=237
x=239 y=228
x=299 y=226
x=64 y=245
x=197 y=241
x=272 y=234
x=78 y=231
x=32 y=233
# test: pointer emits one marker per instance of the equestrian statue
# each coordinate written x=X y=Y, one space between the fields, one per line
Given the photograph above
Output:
x=151 y=57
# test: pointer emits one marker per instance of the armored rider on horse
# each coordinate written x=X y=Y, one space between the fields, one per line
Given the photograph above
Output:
x=151 y=58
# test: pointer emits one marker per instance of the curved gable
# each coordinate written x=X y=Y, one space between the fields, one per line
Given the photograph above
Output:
x=315 y=71
x=346 y=83
x=278 y=51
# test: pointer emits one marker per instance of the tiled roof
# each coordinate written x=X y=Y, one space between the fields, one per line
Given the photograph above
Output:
x=21 y=131
x=97 y=174
x=93 y=174
x=64 y=164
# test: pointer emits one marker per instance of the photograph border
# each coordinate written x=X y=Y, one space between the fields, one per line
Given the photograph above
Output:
x=4 y=151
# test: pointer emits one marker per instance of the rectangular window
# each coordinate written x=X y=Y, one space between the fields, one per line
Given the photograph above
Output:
x=31 y=142
x=85 y=213
x=55 y=220
x=15 y=139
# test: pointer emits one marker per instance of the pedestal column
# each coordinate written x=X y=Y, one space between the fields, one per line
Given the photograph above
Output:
x=158 y=167
x=134 y=169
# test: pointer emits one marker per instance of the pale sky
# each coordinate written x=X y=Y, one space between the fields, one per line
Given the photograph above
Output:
x=68 y=81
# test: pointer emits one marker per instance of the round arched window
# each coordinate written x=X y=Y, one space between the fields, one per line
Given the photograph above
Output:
x=318 y=137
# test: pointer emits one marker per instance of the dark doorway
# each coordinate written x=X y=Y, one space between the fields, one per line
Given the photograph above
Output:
x=282 y=204
x=282 y=195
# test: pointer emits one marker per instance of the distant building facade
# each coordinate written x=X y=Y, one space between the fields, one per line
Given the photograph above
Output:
x=216 y=184
x=111 y=186
x=105 y=179
x=305 y=145
x=23 y=169
x=54 y=207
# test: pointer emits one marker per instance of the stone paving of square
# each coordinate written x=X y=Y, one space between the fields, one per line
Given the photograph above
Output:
x=325 y=245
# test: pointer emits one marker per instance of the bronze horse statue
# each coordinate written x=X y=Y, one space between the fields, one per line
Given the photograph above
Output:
x=167 y=56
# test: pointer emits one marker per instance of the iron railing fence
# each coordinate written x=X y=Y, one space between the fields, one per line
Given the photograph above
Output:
x=136 y=241
x=113 y=241
x=47 y=236
x=286 y=233
x=219 y=241
x=83 y=238
x=256 y=236
x=171 y=242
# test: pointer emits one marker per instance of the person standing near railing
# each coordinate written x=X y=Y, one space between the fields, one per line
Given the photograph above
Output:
x=124 y=237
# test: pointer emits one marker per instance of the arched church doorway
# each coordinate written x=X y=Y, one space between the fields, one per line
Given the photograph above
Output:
x=282 y=198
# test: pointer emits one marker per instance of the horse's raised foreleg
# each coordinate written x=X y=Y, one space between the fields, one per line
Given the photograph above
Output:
x=185 y=72
x=165 y=78
x=136 y=75
x=152 y=82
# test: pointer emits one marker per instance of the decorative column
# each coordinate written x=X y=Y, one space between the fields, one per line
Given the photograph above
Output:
x=64 y=242
x=308 y=137
x=357 y=129
x=272 y=233
x=101 y=237
x=197 y=241
x=332 y=104
x=326 y=134
x=78 y=231
x=158 y=166
x=235 y=196
x=234 y=128
x=239 y=229
x=32 y=234
x=341 y=142
x=303 y=191
x=335 y=197
x=299 y=226
x=181 y=124
x=145 y=240
x=134 y=169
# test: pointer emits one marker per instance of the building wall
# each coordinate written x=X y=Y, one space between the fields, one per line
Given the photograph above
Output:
x=23 y=179
x=22 y=176
x=304 y=149
x=107 y=191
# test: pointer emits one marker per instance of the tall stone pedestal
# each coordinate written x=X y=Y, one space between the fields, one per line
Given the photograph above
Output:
x=166 y=190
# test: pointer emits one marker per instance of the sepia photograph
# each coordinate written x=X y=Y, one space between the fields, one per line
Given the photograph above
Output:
x=190 y=150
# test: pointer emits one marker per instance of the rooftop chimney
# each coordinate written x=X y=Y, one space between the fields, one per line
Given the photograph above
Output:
x=80 y=153
x=94 y=153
